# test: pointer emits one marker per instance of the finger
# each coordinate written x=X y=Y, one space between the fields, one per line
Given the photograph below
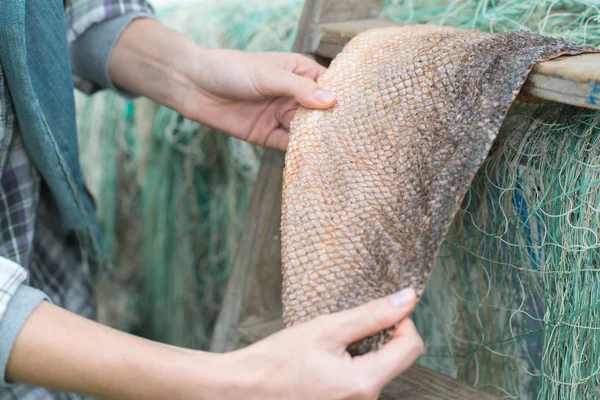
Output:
x=405 y=328
x=298 y=64
x=373 y=317
x=277 y=139
x=307 y=67
x=285 y=109
x=276 y=82
x=287 y=117
x=396 y=356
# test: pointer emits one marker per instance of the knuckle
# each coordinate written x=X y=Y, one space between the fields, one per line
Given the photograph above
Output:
x=364 y=389
x=261 y=82
x=301 y=63
x=306 y=84
x=321 y=327
x=418 y=345
x=323 y=320
x=376 y=313
x=335 y=320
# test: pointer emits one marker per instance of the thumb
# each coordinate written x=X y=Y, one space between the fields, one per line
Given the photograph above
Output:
x=374 y=316
x=397 y=355
x=282 y=83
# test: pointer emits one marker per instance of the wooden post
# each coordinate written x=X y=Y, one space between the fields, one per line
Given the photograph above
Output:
x=254 y=286
x=317 y=12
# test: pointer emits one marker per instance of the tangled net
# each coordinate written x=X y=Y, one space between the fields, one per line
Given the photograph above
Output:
x=512 y=306
x=513 y=303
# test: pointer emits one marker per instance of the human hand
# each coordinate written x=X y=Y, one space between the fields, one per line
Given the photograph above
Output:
x=307 y=361
x=253 y=96
x=310 y=361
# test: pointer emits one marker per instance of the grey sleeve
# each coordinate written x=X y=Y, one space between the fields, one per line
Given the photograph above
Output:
x=19 y=308
x=91 y=52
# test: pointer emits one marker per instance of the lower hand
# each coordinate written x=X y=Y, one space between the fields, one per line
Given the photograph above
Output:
x=310 y=361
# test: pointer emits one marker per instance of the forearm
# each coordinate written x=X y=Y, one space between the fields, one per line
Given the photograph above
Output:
x=248 y=95
x=151 y=60
x=62 y=351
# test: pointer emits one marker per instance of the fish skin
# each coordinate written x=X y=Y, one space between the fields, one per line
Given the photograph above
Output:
x=371 y=185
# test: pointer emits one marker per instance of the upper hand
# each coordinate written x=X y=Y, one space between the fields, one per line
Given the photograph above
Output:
x=310 y=361
x=253 y=96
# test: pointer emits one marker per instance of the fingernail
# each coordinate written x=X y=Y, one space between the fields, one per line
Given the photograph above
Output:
x=323 y=97
x=403 y=297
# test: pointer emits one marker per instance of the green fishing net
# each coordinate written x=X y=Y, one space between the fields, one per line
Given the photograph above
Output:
x=512 y=306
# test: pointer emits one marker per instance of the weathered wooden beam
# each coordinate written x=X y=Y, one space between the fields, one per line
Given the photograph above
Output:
x=417 y=383
x=573 y=80
x=317 y=12
x=254 y=285
x=332 y=37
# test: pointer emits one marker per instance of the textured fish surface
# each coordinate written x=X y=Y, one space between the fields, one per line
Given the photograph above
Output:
x=371 y=185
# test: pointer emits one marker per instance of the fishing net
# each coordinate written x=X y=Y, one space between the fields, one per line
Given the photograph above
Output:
x=512 y=306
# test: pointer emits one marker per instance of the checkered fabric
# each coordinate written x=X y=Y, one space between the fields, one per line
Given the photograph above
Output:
x=44 y=257
x=83 y=14
x=41 y=255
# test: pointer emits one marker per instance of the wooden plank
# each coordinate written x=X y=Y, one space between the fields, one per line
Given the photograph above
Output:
x=573 y=80
x=349 y=10
x=420 y=383
x=417 y=383
x=306 y=35
x=259 y=247
x=334 y=36
x=317 y=12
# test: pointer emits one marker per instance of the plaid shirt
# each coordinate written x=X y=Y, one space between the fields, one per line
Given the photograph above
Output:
x=34 y=252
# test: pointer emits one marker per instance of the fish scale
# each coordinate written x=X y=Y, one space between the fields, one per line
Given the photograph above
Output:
x=371 y=185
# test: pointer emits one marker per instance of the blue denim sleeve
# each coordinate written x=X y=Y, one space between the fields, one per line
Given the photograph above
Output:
x=91 y=52
x=93 y=28
x=20 y=307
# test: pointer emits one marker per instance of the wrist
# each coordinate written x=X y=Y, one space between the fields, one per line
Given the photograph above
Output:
x=202 y=375
x=251 y=375
x=153 y=61
x=62 y=351
x=150 y=370
x=235 y=375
